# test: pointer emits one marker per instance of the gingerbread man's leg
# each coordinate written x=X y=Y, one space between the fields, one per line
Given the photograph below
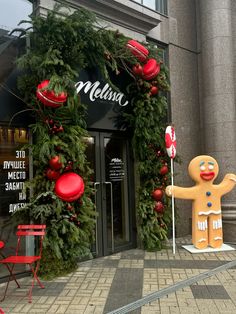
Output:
x=200 y=230
x=215 y=230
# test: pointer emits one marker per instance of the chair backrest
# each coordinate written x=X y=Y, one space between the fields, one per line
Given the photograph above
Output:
x=31 y=230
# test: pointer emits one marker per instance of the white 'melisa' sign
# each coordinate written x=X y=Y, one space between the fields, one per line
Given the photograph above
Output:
x=105 y=93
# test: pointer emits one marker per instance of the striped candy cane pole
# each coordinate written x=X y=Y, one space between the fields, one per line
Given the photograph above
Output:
x=170 y=140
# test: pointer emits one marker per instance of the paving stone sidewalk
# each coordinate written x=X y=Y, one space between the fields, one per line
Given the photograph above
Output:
x=106 y=284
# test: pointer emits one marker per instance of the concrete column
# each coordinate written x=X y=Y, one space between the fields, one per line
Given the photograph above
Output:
x=218 y=118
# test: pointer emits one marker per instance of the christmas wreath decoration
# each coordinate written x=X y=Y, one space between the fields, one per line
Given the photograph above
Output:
x=60 y=47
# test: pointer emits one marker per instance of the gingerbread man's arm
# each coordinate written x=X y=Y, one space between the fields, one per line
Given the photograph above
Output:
x=227 y=184
x=179 y=192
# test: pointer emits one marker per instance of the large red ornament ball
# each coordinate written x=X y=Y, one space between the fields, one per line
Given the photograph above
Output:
x=48 y=97
x=151 y=69
x=52 y=174
x=55 y=163
x=137 y=50
x=69 y=187
x=164 y=170
x=159 y=207
x=157 y=194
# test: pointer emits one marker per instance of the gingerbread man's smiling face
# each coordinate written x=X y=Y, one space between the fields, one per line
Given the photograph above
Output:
x=203 y=168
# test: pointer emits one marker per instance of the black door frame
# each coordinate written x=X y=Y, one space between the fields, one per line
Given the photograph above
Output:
x=100 y=194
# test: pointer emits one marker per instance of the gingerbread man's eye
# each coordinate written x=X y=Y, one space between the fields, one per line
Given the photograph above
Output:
x=202 y=168
x=210 y=167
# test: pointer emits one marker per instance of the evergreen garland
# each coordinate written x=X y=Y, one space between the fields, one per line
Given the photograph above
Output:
x=148 y=120
x=60 y=47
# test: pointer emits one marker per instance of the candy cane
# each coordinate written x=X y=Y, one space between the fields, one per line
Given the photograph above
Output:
x=170 y=140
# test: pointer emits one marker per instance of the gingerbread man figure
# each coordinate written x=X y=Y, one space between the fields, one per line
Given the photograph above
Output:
x=206 y=196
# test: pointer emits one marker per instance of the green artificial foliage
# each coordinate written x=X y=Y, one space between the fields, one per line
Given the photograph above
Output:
x=148 y=121
x=60 y=47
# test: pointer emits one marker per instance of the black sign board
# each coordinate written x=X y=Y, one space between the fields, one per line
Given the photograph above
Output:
x=105 y=102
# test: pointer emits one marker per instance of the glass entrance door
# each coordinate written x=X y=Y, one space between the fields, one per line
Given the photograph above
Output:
x=114 y=195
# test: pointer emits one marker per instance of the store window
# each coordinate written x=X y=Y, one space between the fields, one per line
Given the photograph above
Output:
x=14 y=121
x=14 y=171
x=157 y=5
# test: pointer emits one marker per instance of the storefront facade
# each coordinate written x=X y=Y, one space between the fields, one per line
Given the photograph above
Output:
x=202 y=107
x=109 y=153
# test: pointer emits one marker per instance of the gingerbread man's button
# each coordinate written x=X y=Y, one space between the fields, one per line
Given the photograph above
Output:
x=208 y=193
x=209 y=204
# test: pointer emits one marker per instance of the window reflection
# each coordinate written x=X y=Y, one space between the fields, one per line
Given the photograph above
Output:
x=157 y=5
x=14 y=11
x=14 y=171
x=150 y=4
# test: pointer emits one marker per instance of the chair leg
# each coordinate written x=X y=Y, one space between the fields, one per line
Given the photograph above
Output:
x=11 y=275
x=34 y=272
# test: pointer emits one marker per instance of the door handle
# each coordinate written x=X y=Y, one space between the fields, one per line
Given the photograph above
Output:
x=96 y=184
x=112 y=213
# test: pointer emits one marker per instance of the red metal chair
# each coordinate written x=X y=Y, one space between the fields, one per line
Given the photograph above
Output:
x=32 y=261
x=2 y=244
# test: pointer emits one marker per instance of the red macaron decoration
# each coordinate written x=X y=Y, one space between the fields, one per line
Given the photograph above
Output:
x=151 y=69
x=69 y=187
x=48 y=97
x=137 y=50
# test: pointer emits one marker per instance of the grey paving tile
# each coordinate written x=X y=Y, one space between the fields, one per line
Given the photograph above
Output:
x=133 y=254
x=209 y=292
x=184 y=264
x=51 y=289
x=105 y=263
x=126 y=287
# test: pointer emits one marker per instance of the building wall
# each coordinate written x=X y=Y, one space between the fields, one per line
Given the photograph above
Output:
x=217 y=64
x=200 y=36
x=185 y=113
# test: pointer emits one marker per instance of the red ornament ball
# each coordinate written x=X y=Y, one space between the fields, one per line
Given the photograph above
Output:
x=137 y=69
x=69 y=207
x=157 y=194
x=159 y=207
x=154 y=90
x=55 y=163
x=69 y=187
x=48 y=97
x=164 y=170
x=68 y=168
x=60 y=129
x=52 y=174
